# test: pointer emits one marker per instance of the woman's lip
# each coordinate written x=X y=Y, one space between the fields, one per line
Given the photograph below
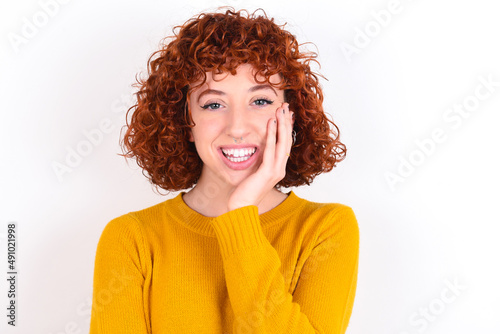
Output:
x=229 y=147
x=239 y=165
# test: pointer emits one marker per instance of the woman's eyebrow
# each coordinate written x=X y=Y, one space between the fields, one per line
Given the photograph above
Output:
x=251 y=90
x=210 y=91
x=263 y=86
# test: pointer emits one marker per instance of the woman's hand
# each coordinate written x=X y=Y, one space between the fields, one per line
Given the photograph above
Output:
x=254 y=188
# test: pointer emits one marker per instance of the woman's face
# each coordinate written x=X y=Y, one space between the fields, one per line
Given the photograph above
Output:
x=231 y=116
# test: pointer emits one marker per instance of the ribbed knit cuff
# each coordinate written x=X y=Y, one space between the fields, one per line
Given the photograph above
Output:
x=238 y=230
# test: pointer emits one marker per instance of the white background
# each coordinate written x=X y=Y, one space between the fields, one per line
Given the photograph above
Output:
x=437 y=226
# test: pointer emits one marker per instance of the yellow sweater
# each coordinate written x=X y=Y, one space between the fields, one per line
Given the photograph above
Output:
x=169 y=269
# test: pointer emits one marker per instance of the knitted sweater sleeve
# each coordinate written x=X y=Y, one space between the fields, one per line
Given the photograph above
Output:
x=119 y=276
x=324 y=295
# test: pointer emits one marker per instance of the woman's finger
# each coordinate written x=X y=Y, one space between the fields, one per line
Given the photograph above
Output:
x=281 y=143
x=285 y=135
x=269 y=151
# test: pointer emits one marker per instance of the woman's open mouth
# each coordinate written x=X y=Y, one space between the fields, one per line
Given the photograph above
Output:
x=239 y=158
x=238 y=155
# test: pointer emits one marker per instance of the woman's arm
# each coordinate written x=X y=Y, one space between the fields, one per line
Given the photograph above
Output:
x=323 y=299
x=119 y=277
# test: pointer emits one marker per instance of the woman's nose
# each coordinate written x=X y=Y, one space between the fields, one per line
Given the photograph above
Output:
x=237 y=123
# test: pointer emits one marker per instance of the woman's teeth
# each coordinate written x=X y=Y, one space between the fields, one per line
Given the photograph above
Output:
x=238 y=155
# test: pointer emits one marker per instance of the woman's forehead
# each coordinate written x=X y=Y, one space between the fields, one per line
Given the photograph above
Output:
x=243 y=71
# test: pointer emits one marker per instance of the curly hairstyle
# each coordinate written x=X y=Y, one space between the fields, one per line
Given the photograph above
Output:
x=158 y=133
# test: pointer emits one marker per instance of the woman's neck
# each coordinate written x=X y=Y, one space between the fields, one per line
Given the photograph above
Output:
x=212 y=201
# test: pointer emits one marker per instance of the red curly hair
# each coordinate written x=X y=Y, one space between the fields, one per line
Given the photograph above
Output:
x=158 y=133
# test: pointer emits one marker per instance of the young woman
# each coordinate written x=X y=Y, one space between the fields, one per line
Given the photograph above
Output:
x=232 y=111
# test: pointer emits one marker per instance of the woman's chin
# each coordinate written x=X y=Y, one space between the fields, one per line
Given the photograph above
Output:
x=237 y=178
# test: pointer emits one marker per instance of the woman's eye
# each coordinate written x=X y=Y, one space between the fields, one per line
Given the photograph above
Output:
x=211 y=106
x=263 y=102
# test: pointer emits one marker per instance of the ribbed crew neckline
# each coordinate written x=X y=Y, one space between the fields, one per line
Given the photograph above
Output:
x=201 y=224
